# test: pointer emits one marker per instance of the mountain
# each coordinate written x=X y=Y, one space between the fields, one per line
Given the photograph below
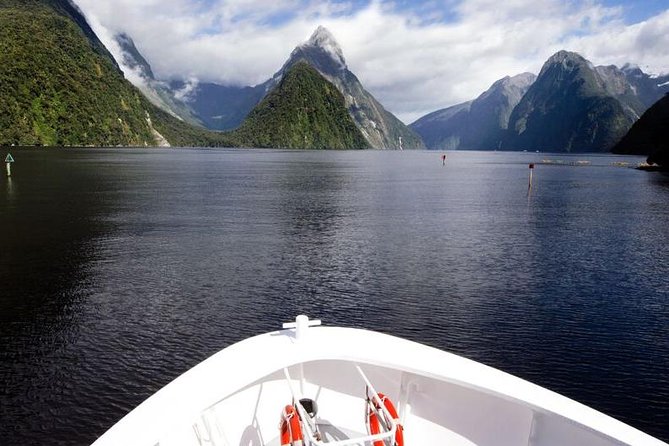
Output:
x=225 y=107
x=380 y=127
x=649 y=89
x=649 y=135
x=567 y=109
x=475 y=125
x=616 y=84
x=632 y=87
x=60 y=86
x=443 y=129
x=303 y=111
x=159 y=93
x=483 y=124
x=220 y=107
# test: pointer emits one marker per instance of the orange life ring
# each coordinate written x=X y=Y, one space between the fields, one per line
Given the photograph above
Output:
x=375 y=426
x=291 y=432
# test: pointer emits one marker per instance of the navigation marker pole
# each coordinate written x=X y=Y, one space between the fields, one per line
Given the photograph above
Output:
x=531 y=170
x=8 y=161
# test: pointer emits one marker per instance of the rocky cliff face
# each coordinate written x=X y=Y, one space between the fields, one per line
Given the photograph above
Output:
x=649 y=89
x=616 y=82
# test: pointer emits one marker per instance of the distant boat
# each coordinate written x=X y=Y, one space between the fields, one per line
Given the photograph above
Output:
x=343 y=386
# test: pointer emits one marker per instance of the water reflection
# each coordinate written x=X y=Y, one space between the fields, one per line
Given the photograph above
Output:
x=10 y=189
x=46 y=247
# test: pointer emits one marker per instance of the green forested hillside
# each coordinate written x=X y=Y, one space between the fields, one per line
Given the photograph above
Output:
x=304 y=111
x=59 y=86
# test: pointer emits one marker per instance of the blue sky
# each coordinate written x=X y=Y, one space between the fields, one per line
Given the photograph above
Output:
x=414 y=56
x=638 y=10
x=444 y=11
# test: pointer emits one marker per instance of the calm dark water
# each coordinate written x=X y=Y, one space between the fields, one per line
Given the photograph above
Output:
x=121 y=269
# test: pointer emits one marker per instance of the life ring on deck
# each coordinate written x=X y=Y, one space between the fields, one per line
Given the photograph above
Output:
x=375 y=425
x=291 y=431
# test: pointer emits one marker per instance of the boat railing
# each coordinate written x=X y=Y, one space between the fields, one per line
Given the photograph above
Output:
x=311 y=436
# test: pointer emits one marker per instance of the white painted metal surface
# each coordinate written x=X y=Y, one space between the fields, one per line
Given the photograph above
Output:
x=236 y=397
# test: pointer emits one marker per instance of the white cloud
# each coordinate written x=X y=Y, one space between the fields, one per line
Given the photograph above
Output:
x=185 y=93
x=411 y=63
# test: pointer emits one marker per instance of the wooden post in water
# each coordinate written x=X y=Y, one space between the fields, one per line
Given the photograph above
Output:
x=8 y=161
x=531 y=170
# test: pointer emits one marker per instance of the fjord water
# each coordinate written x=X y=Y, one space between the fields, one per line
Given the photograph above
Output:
x=121 y=269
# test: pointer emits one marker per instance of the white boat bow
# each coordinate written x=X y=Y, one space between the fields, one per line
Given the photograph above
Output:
x=235 y=397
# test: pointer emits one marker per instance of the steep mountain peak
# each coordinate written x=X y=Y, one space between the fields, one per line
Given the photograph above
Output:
x=567 y=60
x=321 y=36
x=632 y=70
x=323 y=39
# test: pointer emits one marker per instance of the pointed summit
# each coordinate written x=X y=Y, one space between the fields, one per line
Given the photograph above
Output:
x=321 y=34
x=322 y=51
x=322 y=38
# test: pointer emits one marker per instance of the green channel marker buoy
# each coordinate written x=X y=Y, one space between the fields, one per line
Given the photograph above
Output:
x=8 y=161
